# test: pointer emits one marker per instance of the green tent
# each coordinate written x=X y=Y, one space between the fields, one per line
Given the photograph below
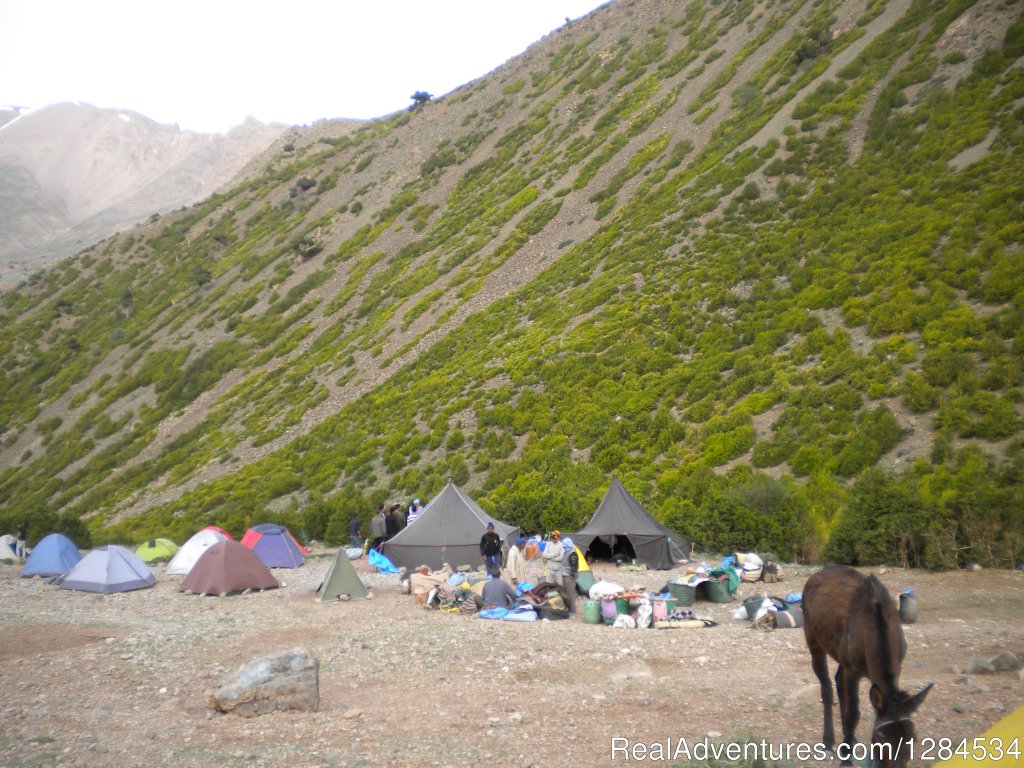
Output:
x=156 y=549
x=341 y=579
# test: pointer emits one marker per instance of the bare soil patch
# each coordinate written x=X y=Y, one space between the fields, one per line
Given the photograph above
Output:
x=117 y=680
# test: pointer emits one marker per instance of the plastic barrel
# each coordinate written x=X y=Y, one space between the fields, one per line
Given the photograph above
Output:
x=908 y=608
x=684 y=594
x=608 y=610
x=592 y=612
x=753 y=605
x=659 y=609
x=621 y=605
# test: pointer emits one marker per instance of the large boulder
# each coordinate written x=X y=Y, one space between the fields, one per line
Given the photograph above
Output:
x=277 y=681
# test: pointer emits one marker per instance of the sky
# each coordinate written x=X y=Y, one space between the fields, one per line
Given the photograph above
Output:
x=206 y=65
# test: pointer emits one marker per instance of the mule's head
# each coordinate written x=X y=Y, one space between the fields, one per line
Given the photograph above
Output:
x=893 y=727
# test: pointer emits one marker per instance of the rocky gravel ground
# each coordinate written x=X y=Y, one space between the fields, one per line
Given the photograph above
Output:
x=118 y=680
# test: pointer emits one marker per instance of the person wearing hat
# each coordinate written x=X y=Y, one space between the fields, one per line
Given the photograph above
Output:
x=490 y=548
x=516 y=562
x=553 y=555
x=414 y=511
x=570 y=567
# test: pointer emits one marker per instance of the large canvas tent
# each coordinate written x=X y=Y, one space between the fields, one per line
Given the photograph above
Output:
x=621 y=526
x=190 y=552
x=107 y=569
x=447 y=531
x=227 y=567
x=341 y=579
x=54 y=555
x=274 y=545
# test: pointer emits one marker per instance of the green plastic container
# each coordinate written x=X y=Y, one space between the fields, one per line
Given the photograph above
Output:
x=621 y=605
x=584 y=581
x=715 y=591
x=592 y=612
x=684 y=594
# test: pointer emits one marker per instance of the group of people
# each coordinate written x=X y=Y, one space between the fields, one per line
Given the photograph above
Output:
x=386 y=524
x=561 y=566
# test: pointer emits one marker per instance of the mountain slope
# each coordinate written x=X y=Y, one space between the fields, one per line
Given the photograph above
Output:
x=79 y=173
x=759 y=259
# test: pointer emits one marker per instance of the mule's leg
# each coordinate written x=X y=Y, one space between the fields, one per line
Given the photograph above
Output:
x=819 y=663
x=849 y=707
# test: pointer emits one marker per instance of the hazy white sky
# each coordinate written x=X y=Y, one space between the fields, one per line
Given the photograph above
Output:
x=207 y=64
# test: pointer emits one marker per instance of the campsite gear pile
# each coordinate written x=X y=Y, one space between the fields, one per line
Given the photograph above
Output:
x=635 y=608
x=769 y=612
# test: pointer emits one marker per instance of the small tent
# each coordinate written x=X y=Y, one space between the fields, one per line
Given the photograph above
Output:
x=265 y=527
x=54 y=555
x=155 y=550
x=448 y=530
x=8 y=548
x=227 y=567
x=274 y=545
x=107 y=569
x=341 y=579
x=190 y=552
x=620 y=526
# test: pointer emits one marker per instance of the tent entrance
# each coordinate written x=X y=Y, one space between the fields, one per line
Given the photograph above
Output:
x=612 y=548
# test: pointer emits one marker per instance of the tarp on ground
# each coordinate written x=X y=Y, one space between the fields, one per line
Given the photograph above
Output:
x=190 y=552
x=227 y=567
x=341 y=579
x=274 y=545
x=108 y=569
x=1001 y=746
x=54 y=555
x=620 y=518
x=154 y=550
x=447 y=531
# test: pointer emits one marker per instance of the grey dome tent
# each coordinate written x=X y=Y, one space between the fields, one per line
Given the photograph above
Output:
x=621 y=525
x=447 y=531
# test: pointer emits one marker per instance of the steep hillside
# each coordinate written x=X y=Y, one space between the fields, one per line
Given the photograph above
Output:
x=760 y=259
x=74 y=174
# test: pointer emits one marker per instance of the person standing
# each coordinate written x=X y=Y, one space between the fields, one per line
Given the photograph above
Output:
x=379 y=528
x=553 y=554
x=415 y=510
x=355 y=539
x=20 y=537
x=516 y=563
x=490 y=548
x=391 y=527
x=570 y=567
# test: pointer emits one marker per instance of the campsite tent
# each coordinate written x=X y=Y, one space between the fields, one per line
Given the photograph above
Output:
x=192 y=550
x=156 y=549
x=55 y=555
x=621 y=525
x=341 y=579
x=107 y=569
x=8 y=547
x=227 y=567
x=448 y=530
x=271 y=527
x=219 y=530
x=274 y=545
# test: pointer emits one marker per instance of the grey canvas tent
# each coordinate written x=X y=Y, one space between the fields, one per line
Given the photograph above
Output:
x=621 y=526
x=341 y=579
x=447 y=531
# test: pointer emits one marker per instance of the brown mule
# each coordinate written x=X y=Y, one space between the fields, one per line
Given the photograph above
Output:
x=852 y=618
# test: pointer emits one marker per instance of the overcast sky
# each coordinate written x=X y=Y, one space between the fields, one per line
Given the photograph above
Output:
x=207 y=64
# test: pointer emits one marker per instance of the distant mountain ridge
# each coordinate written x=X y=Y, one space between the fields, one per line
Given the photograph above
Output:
x=72 y=173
